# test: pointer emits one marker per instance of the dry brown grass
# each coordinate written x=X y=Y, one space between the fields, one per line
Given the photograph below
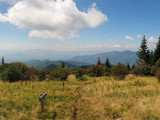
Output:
x=102 y=98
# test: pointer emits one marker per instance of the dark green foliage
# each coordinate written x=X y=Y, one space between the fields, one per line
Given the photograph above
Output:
x=99 y=61
x=21 y=72
x=133 y=66
x=128 y=66
x=98 y=70
x=3 y=67
x=119 y=71
x=143 y=53
x=11 y=74
x=107 y=63
x=3 y=61
x=85 y=66
x=42 y=75
x=152 y=70
x=60 y=73
x=138 y=70
x=152 y=58
x=80 y=72
x=26 y=72
x=64 y=73
x=144 y=70
x=158 y=63
x=156 y=55
x=158 y=74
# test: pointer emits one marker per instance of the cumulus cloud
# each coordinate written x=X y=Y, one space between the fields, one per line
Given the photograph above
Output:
x=139 y=36
x=129 y=37
x=116 y=46
x=6 y=46
x=52 y=19
x=152 y=39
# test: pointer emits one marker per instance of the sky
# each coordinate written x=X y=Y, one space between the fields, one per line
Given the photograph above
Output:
x=78 y=26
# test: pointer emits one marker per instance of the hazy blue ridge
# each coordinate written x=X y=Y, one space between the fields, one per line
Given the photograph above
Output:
x=114 y=57
x=77 y=61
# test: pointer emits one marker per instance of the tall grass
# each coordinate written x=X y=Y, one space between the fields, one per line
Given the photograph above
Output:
x=101 y=98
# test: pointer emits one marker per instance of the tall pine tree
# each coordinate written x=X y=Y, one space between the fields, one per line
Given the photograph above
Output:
x=107 y=63
x=2 y=60
x=156 y=55
x=99 y=61
x=128 y=66
x=143 y=53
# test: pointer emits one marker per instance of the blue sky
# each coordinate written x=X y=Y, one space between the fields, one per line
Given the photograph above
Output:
x=111 y=25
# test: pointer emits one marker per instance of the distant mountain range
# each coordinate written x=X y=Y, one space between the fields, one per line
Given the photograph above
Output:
x=114 y=57
x=48 y=64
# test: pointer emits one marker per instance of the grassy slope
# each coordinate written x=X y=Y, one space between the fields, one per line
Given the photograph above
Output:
x=97 y=99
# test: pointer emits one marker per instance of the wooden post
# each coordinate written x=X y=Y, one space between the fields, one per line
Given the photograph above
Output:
x=41 y=99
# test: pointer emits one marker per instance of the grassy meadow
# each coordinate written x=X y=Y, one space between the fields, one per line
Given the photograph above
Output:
x=99 y=98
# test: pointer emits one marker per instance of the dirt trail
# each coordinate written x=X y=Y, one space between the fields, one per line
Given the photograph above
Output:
x=78 y=91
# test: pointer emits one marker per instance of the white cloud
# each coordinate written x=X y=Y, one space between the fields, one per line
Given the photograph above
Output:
x=129 y=37
x=139 y=36
x=6 y=46
x=152 y=39
x=116 y=46
x=95 y=46
x=94 y=4
x=52 y=19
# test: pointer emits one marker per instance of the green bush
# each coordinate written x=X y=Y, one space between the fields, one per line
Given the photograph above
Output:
x=42 y=75
x=80 y=72
x=144 y=70
x=119 y=71
x=158 y=63
x=60 y=73
x=17 y=71
x=157 y=74
x=98 y=70
x=11 y=74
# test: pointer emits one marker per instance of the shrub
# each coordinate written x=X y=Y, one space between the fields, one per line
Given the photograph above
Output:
x=119 y=71
x=59 y=73
x=64 y=73
x=11 y=74
x=152 y=70
x=98 y=70
x=138 y=70
x=22 y=70
x=144 y=70
x=158 y=63
x=80 y=72
x=42 y=75
x=158 y=74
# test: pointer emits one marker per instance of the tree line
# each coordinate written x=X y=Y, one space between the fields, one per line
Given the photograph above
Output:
x=147 y=64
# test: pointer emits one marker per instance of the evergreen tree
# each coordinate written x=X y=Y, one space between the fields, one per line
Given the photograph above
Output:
x=143 y=53
x=156 y=55
x=99 y=61
x=133 y=66
x=152 y=57
x=128 y=66
x=107 y=63
x=2 y=60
